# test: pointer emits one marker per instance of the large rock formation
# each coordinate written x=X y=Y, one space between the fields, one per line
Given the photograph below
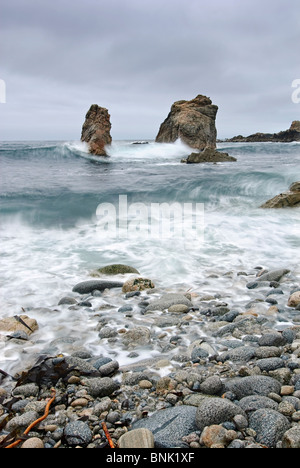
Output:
x=191 y=121
x=286 y=136
x=96 y=130
x=290 y=198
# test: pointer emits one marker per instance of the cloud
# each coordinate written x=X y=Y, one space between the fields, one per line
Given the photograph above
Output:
x=137 y=57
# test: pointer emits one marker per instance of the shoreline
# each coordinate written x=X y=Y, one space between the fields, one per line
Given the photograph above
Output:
x=187 y=350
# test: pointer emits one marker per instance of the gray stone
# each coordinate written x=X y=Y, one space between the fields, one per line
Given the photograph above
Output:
x=167 y=301
x=199 y=353
x=109 y=368
x=87 y=287
x=195 y=399
x=272 y=339
x=274 y=275
x=80 y=364
x=169 y=426
x=78 y=433
x=289 y=335
x=100 y=387
x=269 y=426
x=26 y=390
x=38 y=406
x=216 y=411
x=138 y=336
x=263 y=352
x=22 y=421
x=67 y=301
x=252 y=385
x=19 y=335
x=243 y=353
x=167 y=321
x=274 y=291
x=212 y=385
x=104 y=405
x=134 y=378
x=124 y=309
x=240 y=421
x=270 y=364
x=107 y=332
x=291 y=399
x=252 y=284
x=254 y=402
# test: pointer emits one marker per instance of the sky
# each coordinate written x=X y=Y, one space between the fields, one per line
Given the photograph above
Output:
x=137 y=57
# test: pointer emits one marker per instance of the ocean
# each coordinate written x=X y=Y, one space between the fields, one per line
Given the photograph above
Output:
x=55 y=197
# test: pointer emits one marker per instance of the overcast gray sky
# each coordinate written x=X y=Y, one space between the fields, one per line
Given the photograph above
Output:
x=136 y=57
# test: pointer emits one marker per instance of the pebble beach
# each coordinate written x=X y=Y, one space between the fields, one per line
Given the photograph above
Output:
x=201 y=370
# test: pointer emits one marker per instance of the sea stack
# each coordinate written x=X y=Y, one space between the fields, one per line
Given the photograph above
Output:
x=191 y=121
x=96 y=130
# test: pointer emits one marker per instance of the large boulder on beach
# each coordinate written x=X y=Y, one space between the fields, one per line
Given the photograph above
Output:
x=96 y=130
x=191 y=121
x=288 y=199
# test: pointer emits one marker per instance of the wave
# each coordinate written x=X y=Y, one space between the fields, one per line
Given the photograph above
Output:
x=118 y=151
x=151 y=152
x=60 y=182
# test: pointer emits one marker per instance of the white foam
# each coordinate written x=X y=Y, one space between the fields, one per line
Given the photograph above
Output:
x=151 y=152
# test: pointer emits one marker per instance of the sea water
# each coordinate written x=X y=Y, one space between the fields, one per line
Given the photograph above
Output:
x=50 y=194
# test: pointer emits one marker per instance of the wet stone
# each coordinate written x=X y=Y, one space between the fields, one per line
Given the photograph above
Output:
x=78 y=433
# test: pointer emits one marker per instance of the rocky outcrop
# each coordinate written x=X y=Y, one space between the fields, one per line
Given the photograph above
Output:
x=290 y=198
x=286 y=136
x=208 y=155
x=191 y=121
x=96 y=130
x=295 y=126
